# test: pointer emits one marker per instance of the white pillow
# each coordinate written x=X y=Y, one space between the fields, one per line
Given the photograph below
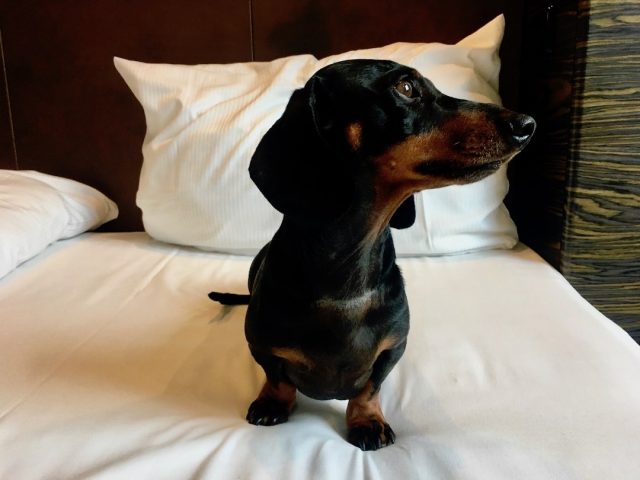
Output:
x=205 y=121
x=37 y=209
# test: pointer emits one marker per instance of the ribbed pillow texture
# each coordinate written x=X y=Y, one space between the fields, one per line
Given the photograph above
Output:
x=205 y=121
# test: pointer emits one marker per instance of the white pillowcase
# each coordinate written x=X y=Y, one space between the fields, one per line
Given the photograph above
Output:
x=205 y=121
x=37 y=209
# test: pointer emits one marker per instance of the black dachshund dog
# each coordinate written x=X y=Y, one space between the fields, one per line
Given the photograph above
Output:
x=327 y=309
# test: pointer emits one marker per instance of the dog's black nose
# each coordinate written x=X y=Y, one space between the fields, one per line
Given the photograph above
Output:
x=520 y=129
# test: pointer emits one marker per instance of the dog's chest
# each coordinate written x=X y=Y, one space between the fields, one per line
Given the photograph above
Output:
x=351 y=306
x=345 y=327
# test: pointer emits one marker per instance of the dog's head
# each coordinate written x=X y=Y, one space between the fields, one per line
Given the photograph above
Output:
x=382 y=123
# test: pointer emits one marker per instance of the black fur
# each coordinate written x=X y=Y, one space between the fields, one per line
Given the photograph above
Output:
x=327 y=285
x=229 y=298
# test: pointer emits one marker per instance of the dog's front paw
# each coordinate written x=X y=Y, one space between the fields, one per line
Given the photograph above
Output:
x=371 y=436
x=268 y=411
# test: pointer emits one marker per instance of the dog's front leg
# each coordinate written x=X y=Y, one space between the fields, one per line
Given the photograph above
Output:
x=273 y=405
x=277 y=399
x=367 y=427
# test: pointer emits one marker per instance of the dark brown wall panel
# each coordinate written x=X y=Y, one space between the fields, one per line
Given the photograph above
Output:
x=288 y=27
x=7 y=153
x=72 y=113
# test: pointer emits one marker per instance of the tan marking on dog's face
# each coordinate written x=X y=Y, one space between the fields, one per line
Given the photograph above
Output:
x=293 y=355
x=354 y=135
x=396 y=167
x=465 y=141
x=464 y=149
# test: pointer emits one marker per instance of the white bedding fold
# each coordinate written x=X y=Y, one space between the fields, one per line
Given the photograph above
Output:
x=115 y=364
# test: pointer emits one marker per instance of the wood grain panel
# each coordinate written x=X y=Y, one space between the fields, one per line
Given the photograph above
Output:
x=72 y=113
x=601 y=242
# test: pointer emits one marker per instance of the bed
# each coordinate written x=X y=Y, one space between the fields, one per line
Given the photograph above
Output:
x=115 y=364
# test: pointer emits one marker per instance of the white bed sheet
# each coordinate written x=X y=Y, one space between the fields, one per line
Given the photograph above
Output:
x=114 y=364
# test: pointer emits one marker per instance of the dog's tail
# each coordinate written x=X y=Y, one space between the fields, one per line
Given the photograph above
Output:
x=229 y=298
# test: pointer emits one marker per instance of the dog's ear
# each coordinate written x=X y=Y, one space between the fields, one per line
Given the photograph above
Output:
x=405 y=215
x=323 y=109
x=295 y=166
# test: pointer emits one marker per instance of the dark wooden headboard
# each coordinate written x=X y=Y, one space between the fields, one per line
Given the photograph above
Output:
x=64 y=110
x=72 y=115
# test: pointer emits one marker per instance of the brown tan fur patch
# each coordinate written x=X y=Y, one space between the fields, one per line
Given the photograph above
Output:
x=282 y=392
x=364 y=408
x=386 y=343
x=354 y=135
x=397 y=178
x=293 y=355
x=466 y=139
x=396 y=167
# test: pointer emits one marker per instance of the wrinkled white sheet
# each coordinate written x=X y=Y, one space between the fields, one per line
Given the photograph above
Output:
x=114 y=364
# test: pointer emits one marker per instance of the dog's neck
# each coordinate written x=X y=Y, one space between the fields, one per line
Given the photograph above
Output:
x=351 y=251
x=367 y=219
x=386 y=202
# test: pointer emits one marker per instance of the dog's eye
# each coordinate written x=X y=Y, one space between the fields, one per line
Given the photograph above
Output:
x=405 y=88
